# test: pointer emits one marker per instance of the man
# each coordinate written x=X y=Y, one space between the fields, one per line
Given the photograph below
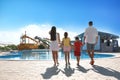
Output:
x=91 y=38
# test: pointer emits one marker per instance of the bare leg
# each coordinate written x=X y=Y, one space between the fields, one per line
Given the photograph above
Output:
x=53 y=54
x=65 y=57
x=92 y=55
x=78 y=60
x=89 y=53
x=68 y=58
x=92 y=58
x=56 y=57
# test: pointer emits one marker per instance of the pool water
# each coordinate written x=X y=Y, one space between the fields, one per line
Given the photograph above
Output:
x=46 y=55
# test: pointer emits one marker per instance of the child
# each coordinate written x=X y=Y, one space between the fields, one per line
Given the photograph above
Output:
x=66 y=48
x=77 y=49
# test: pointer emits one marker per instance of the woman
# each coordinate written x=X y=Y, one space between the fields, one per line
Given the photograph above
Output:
x=55 y=39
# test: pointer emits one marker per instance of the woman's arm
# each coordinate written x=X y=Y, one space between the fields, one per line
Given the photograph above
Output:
x=58 y=37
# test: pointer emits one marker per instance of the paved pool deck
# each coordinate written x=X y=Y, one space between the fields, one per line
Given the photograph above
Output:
x=103 y=69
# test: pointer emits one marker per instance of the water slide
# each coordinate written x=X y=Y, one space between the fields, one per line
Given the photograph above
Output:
x=25 y=36
x=45 y=40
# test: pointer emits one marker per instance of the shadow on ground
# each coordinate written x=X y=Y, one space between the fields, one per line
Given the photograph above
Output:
x=68 y=71
x=80 y=68
x=106 y=71
x=50 y=72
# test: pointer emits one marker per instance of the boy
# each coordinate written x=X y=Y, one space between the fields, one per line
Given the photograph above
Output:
x=77 y=49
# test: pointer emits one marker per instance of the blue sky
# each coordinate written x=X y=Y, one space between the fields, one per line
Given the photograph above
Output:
x=68 y=15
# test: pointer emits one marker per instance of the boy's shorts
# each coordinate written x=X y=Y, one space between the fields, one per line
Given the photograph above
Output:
x=77 y=53
x=90 y=46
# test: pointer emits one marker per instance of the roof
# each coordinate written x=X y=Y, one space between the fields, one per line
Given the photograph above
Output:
x=103 y=35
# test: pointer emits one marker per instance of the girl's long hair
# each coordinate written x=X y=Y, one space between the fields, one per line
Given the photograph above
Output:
x=53 y=33
x=65 y=34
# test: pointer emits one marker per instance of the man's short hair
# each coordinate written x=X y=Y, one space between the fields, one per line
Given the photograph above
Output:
x=90 y=23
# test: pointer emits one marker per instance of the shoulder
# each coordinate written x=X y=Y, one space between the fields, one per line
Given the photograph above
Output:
x=57 y=33
x=87 y=28
x=94 y=28
x=68 y=38
x=75 y=42
x=79 y=41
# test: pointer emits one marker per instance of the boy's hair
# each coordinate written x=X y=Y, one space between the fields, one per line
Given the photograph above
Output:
x=76 y=38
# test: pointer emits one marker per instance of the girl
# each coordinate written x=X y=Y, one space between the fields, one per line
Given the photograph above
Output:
x=66 y=47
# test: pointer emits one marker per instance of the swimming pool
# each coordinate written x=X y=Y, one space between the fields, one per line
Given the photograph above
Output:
x=45 y=55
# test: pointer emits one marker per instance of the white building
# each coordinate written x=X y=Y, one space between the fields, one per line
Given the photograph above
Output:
x=107 y=42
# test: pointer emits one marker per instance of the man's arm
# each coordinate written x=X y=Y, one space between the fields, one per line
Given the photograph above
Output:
x=96 y=40
x=84 y=40
x=85 y=34
x=96 y=37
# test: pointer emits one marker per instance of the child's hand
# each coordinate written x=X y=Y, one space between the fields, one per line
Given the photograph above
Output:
x=60 y=45
x=72 y=46
x=83 y=43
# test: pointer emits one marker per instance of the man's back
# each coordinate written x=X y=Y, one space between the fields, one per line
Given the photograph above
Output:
x=91 y=34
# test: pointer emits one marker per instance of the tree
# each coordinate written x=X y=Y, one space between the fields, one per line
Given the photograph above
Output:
x=41 y=46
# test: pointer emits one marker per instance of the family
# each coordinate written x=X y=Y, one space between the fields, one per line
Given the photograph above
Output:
x=90 y=39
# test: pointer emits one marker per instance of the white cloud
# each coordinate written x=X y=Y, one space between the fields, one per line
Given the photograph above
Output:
x=9 y=37
x=32 y=30
x=36 y=30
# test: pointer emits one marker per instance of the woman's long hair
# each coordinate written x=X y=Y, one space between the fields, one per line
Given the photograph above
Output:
x=53 y=33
